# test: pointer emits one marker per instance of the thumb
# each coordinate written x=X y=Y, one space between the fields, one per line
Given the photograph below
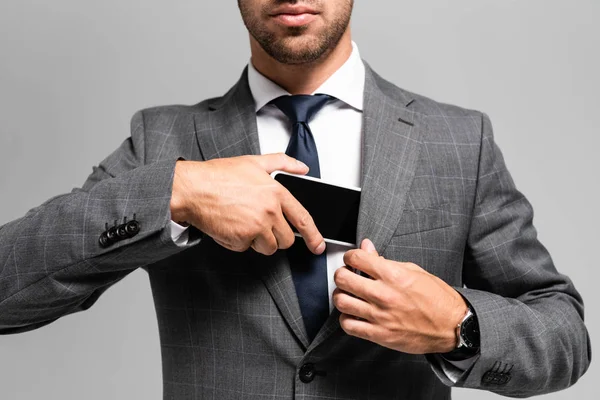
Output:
x=368 y=246
x=280 y=162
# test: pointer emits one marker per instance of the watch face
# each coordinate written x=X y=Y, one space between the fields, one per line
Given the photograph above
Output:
x=470 y=332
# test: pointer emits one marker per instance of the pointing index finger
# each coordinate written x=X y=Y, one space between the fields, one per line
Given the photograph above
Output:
x=301 y=219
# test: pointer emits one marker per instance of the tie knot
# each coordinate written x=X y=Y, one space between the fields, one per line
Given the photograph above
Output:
x=301 y=108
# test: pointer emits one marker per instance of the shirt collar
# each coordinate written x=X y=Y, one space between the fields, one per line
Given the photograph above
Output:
x=346 y=84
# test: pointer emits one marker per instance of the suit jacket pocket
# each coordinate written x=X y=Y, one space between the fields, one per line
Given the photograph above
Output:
x=418 y=220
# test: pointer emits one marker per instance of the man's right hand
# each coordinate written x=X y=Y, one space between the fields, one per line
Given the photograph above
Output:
x=237 y=203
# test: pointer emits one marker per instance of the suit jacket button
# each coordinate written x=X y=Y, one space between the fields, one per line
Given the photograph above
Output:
x=307 y=372
x=504 y=379
x=498 y=375
x=132 y=228
x=122 y=232
x=103 y=241
x=112 y=234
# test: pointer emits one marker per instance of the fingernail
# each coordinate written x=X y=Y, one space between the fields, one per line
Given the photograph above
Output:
x=370 y=246
x=321 y=248
x=301 y=164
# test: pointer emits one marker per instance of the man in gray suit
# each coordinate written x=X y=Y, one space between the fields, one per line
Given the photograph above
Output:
x=455 y=289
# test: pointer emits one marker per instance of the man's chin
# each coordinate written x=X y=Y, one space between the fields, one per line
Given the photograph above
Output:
x=296 y=50
x=297 y=57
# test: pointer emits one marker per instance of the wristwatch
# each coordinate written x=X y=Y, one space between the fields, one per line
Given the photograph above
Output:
x=467 y=333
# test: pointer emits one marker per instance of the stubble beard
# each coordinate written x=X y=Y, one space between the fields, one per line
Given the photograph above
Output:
x=294 y=48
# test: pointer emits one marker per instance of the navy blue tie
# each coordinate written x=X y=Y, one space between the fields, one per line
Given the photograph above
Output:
x=309 y=271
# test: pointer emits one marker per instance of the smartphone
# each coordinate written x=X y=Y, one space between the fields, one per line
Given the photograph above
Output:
x=334 y=208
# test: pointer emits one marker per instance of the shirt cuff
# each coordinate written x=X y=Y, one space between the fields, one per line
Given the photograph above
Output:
x=450 y=372
x=179 y=234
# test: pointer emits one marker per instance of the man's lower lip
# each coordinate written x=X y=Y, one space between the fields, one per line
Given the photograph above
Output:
x=294 y=19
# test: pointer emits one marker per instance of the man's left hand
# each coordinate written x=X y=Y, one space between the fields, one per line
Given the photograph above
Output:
x=401 y=306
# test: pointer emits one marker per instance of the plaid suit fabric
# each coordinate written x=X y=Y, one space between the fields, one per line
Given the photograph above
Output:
x=436 y=192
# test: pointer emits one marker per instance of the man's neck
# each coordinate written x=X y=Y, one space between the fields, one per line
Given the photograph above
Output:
x=303 y=78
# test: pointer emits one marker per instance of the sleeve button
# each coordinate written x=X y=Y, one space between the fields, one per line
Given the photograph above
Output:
x=103 y=241
x=122 y=232
x=132 y=228
x=112 y=234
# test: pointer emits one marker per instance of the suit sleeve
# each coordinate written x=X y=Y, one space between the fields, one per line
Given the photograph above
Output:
x=51 y=261
x=531 y=317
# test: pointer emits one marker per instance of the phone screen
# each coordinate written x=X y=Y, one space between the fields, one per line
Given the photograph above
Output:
x=333 y=208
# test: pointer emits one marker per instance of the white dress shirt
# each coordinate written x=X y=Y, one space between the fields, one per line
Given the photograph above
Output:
x=337 y=130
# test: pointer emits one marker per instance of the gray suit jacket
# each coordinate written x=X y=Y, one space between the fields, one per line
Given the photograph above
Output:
x=435 y=191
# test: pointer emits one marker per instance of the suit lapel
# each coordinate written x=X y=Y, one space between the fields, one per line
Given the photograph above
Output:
x=392 y=137
x=391 y=146
x=229 y=130
x=276 y=274
x=229 y=127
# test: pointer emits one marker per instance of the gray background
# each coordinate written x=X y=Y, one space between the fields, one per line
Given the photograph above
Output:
x=72 y=72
